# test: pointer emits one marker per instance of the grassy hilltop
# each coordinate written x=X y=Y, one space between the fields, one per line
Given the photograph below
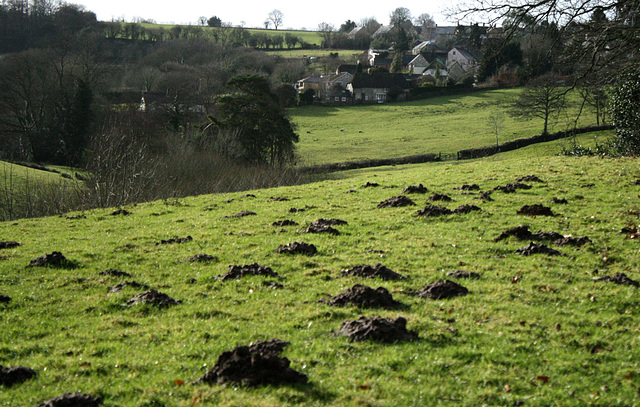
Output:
x=533 y=329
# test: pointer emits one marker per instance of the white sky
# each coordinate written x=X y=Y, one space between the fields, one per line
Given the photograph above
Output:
x=297 y=14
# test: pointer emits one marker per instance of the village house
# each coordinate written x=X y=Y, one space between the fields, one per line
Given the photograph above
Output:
x=379 y=88
x=327 y=87
x=462 y=63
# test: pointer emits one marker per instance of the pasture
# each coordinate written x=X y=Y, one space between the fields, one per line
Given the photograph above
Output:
x=533 y=330
x=436 y=125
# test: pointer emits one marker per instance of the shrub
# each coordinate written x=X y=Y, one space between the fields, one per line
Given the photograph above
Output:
x=625 y=114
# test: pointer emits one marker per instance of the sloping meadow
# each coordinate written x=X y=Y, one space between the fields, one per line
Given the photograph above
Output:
x=478 y=304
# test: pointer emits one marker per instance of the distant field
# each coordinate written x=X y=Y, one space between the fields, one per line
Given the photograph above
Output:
x=438 y=125
x=305 y=53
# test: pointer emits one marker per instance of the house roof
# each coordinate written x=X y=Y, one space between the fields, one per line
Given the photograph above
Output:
x=310 y=79
x=382 y=30
x=350 y=68
x=468 y=54
x=446 y=30
x=380 y=80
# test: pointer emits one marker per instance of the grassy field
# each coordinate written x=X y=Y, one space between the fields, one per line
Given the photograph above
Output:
x=533 y=329
x=437 y=125
x=305 y=53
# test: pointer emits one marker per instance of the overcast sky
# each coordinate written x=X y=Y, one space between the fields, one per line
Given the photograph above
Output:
x=297 y=14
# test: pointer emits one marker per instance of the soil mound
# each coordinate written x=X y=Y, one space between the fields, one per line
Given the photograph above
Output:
x=9 y=244
x=370 y=185
x=460 y=210
x=5 y=299
x=521 y=232
x=486 y=196
x=254 y=365
x=561 y=201
x=77 y=217
x=572 y=241
x=619 y=278
x=511 y=188
x=297 y=248
x=415 y=189
x=433 y=210
x=278 y=199
x=114 y=273
x=202 y=258
x=535 y=248
x=133 y=284
x=154 y=298
x=377 y=329
x=282 y=223
x=463 y=274
x=122 y=212
x=535 y=210
x=248 y=196
x=364 y=297
x=540 y=235
x=315 y=228
x=367 y=271
x=469 y=187
x=442 y=289
x=72 y=400
x=55 y=259
x=330 y=222
x=529 y=178
x=178 y=240
x=15 y=375
x=440 y=197
x=236 y=272
x=396 y=202
x=241 y=215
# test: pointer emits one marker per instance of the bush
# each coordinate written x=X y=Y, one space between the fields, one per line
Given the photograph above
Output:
x=625 y=114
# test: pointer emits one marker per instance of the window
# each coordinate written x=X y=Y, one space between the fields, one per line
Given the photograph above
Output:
x=337 y=98
x=381 y=97
x=344 y=98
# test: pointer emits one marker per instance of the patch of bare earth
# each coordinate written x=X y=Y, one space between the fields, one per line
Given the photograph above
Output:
x=297 y=248
x=364 y=297
x=241 y=214
x=154 y=298
x=469 y=187
x=178 y=240
x=442 y=289
x=434 y=210
x=122 y=212
x=463 y=209
x=529 y=178
x=282 y=223
x=415 y=189
x=254 y=365
x=440 y=197
x=114 y=273
x=463 y=274
x=535 y=210
x=237 y=272
x=202 y=258
x=9 y=244
x=55 y=259
x=367 y=271
x=316 y=228
x=619 y=278
x=15 y=375
x=512 y=187
x=535 y=248
x=377 y=329
x=72 y=400
x=396 y=202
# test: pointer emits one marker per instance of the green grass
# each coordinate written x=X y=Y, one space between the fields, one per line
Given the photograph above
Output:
x=437 y=125
x=305 y=53
x=491 y=347
x=14 y=176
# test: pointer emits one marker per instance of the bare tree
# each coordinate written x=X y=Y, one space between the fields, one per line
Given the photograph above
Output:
x=496 y=122
x=425 y=20
x=400 y=16
x=327 y=32
x=544 y=98
x=275 y=17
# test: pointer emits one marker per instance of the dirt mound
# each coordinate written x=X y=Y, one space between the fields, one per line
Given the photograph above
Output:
x=297 y=248
x=415 y=189
x=463 y=274
x=371 y=185
x=122 y=212
x=433 y=210
x=178 y=240
x=133 y=284
x=396 y=202
x=521 y=232
x=469 y=187
x=202 y=258
x=377 y=329
x=442 y=289
x=55 y=259
x=15 y=375
x=535 y=210
x=248 y=196
x=272 y=284
x=278 y=199
x=572 y=241
x=153 y=297
x=561 y=201
x=282 y=223
x=72 y=400
x=535 y=248
x=364 y=297
x=619 y=278
x=241 y=214
x=254 y=365
x=9 y=244
x=314 y=228
x=486 y=196
x=553 y=236
x=114 y=273
x=367 y=271
x=529 y=178
x=440 y=197
x=636 y=182
x=236 y=272
x=460 y=210
x=511 y=188
x=330 y=222
x=5 y=299
x=77 y=217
